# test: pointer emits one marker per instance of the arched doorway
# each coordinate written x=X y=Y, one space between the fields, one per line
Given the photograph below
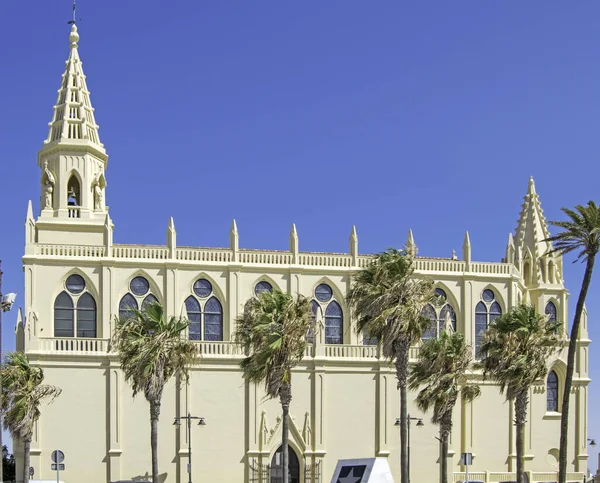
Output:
x=293 y=466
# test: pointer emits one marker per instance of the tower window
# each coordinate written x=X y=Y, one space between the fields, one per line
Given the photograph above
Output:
x=75 y=308
x=551 y=312
x=485 y=312
x=552 y=392
x=73 y=192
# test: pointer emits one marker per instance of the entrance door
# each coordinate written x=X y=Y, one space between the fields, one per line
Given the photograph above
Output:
x=293 y=466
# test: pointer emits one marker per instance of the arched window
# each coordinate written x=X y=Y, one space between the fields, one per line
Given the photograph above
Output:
x=150 y=299
x=447 y=310
x=276 y=468
x=262 y=286
x=192 y=307
x=527 y=273
x=64 y=316
x=334 y=324
x=552 y=392
x=429 y=313
x=86 y=316
x=75 y=310
x=127 y=303
x=73 y=192
x=551 y=312
x=486 y=311
x=213 y=320
x=206 y=318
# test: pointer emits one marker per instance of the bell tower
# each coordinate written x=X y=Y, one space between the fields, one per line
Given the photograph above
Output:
x=72 y=162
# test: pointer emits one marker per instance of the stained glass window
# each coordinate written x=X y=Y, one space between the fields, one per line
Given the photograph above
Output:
x=127 y=303
x=323 y=292
x=263 y=286
x=447 y=309
x=488 y=295
x=139 y=286
x=431 y=330
x=552 y=392
x=150 y=299
x=368 y=339
x=495 y=311
x=551 y=312
x=334 y=324
x=213 y=320
x=202 y=288
x=192 y=307
x=75 y=284
x=64 y=316
x=480 y=325
x=441 y=296
x=86 y=316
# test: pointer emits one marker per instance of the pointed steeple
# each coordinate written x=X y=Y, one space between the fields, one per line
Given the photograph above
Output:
x=467 y=248
x=510 y=249
x=353 y=244
x=29 y=226
x=532 y=228
x=73 y=122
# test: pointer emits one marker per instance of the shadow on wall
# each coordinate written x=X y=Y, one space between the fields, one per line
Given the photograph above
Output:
x=147 y=477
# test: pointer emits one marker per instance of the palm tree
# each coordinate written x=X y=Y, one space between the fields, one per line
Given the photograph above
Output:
x=151 y=350
x=581 y=233
x=387 y=301
x=273 y=332
x=515 y=350
x=442 y=368
x=21 y=397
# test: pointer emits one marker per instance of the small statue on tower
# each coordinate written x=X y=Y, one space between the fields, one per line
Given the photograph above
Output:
x=49 y=183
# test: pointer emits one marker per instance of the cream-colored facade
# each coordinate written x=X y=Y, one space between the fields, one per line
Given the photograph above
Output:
x=345 y=400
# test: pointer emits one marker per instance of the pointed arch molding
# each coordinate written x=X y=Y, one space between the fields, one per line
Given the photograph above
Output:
x=270 y=438
x=265 y=278
x=216 y=292
x=75 y=173
x=89 y=286
x=497 y=295
x=451 y=299
x=154 y=287
x=338 y=296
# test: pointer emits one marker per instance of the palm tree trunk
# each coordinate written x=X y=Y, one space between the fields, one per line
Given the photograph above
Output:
x=445 y=428
x=26 y=459
x=285 y=397
x=154 y=414
x=520 y=417
x=402 y=348
x=564 y=418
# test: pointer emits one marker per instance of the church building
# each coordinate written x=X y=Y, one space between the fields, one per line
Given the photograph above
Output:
x=345 y=400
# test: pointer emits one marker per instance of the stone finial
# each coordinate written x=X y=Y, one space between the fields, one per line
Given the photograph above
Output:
x=294 y=239
x=454 y=256
x=353 y=243
x=411 y=247
x=73 y=36
x=510 y=249
x=467 y=248
x=29 y=211
x=234 y=237
x=531 y=187
x=171 y=238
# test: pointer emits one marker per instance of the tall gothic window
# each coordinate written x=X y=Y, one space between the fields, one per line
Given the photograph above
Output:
x=138 y=297
x=437 y=313
x=75 y=310
x=334 y=315
x=204 y=312
x=552 y=392
x=486 y=311
x=551 y=312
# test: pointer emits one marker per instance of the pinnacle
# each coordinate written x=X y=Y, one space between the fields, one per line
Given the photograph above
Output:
x=73 y=121
x=234 y=228
x=467 y=240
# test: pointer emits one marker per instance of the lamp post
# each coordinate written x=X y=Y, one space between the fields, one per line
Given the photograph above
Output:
x=591 y=442
x=420 y=423
x=6 y=303
x=201 y=422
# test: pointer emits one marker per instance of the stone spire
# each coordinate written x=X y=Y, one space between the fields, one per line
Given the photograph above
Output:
x=294 y=239
x=510 y=249
x=73 y=121
x=532 y=228
x=234 y=237
x=171 y=238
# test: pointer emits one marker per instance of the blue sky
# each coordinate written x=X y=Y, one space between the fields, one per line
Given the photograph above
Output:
x=386 y=115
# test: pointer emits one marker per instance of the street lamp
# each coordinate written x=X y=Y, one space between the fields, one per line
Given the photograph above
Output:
x=201 y=422
x=420 y=423
x=591 y=442
x=6 y=303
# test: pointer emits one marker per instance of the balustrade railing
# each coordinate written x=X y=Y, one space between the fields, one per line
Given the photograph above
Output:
x=498 y=477
x=143 y=252
x=64 y=345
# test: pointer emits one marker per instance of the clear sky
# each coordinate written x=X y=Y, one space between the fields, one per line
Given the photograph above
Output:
x=384 y=114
